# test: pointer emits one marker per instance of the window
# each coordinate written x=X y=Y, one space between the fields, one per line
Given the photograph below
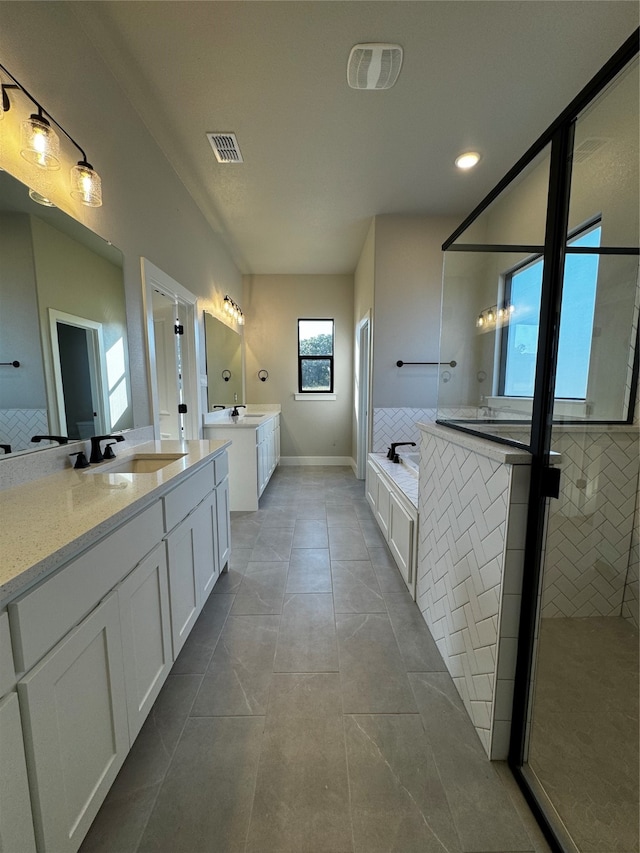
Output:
x=520 y=337
x=315 y=356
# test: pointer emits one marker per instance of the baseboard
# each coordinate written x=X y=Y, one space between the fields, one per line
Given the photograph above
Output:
x=346 y=461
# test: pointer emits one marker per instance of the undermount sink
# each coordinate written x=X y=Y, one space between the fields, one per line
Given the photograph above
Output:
x=254 y=415
x=140 y=463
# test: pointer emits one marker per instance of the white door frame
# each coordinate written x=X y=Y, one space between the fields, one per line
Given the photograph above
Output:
x=97 y=369
x=363 y=394
x=154 y=278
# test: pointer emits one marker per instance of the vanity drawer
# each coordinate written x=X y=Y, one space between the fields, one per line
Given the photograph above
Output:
x=7 y=670
x=179 y=502
x=45 y=615
x=221 y=465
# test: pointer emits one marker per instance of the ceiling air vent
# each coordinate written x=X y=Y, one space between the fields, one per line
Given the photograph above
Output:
x=225 y=147
x=374 y=66
x=587 y=148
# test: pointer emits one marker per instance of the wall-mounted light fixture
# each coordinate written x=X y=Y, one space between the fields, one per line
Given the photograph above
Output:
x=40 y=146
x=495 y=315
x=233 y=310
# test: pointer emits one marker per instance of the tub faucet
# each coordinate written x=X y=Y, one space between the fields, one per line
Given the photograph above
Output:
x=392 y=455
x=96 y=452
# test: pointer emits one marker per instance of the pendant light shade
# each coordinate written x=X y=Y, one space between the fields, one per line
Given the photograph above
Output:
x=40 y=143
x=86 y=184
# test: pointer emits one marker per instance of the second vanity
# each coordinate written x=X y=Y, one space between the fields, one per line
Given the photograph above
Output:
x=102 y=577
x=254 y=453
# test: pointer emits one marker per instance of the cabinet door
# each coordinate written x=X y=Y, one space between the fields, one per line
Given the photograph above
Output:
x=223 y=528
x=184 y=599
x=146 y=635
x=401 y=538
x=382 y=505
x=16 y=823
x=205 y=524
x=371 y=486
x=75 y=727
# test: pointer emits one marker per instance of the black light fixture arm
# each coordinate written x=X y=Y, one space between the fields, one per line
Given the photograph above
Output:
x=6 y=105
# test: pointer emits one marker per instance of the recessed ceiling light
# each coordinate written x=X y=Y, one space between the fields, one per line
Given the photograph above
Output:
x=467 y=160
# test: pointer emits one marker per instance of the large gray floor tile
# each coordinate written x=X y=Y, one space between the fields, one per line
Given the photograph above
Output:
x=122 y=818
x=417 y=646
x=397 y=799
x=307 y=637
x=273 y=544
x=301 y=802
x=198 y=649
x=355 y=587
x=372 y=534
x=483 y=813
x=311 y=509
x=310 y=533
x=277 y=516
x=262 y=589
x=342 y=516
x=372 y=674
x=309 y=570
x=204 y=804
x=244 y=532
x=347 y=543
x=239 y=675
x=239 y=557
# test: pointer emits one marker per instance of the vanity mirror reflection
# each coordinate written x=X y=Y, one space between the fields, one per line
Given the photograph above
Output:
x=63 y=319
x=225 y=375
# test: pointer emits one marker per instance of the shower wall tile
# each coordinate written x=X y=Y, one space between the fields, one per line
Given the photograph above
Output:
x=17 y=426
x=631 y=592
x=590 y=526
x=470 y=554
x=397 y=425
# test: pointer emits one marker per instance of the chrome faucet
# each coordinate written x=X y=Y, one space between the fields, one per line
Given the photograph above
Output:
x=96 y=452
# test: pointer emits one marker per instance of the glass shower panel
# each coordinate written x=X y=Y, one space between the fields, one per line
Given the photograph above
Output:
x=518 y=215
x=583 y=730
x=605 y=163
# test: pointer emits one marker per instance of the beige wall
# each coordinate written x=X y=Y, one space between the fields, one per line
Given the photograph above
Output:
x=408 y=282
x=273 y=304
x=146 y=211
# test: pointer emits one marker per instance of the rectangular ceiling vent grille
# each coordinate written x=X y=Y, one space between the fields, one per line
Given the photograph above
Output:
x=587 y=148
x=225 y=147
x=374 y=66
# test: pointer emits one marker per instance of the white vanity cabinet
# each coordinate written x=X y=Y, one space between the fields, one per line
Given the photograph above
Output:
x=16 y=822
x=397 y=518
x=92 y=645
x=75 y=727
x=253 y=456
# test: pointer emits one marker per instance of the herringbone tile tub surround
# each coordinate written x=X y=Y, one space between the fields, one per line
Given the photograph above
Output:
x=473 y=505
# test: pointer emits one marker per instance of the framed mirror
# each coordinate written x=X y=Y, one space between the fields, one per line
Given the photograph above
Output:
x=225 y=373
x=63 y=322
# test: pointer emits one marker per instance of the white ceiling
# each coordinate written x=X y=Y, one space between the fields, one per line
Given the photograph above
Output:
x=320 y=158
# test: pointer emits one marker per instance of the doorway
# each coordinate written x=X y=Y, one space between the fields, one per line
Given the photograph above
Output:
x=173 y=355
x=362 y=383
x=79 y=371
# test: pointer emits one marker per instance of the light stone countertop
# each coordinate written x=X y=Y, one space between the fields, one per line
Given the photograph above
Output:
x=247 y=419
x=48 y=521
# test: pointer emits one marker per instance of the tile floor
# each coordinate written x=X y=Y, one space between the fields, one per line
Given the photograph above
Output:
x=584 y=741
x=310 y=711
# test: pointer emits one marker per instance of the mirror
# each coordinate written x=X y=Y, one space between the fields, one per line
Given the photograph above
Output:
x=63 y=320
x=224 y=363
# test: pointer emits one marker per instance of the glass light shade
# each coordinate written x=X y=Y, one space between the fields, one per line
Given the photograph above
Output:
x=86 y=184
x=40 y=143
x=34 y=195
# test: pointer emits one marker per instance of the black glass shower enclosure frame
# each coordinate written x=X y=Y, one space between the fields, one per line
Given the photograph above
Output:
x=559 y=135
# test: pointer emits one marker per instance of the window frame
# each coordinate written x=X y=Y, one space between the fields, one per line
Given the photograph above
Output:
x=305 y=358
x=590 y=225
